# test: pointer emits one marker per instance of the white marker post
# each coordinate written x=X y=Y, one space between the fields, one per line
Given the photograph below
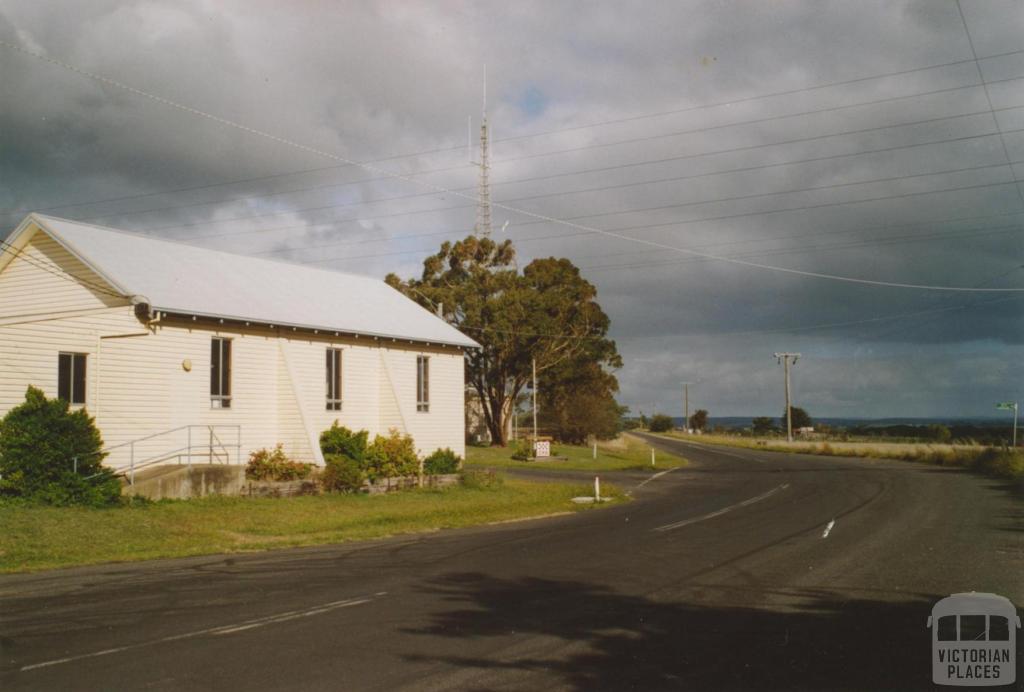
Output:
x=652 y=457
x=597 y=489
x=1011 y=406
x=595 y=450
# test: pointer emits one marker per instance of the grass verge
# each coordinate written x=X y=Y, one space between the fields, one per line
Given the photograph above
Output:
x=629 y=453
x=991 y=461
x=37 y=537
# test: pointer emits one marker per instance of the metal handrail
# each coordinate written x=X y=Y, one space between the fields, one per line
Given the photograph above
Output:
x=213 y=436
x=163 y=432
x=164 y=456
x=188 y=449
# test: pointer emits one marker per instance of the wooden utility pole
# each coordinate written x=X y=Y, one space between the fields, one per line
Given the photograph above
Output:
x=785 y=358
x=686 y=405
x=535 y=402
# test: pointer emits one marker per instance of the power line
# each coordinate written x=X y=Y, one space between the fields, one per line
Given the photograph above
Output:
x=576 y=191
x=755 y=121
x=816 y=234
x=760 y=253
x=572 y=173
x=855 y=323
x=564 y=174
x=758 y=265
x=744 y=169
x=734 y=102
x=193 y=188
x=812 y=234
x=583 y=230
x=988 y=97
x=363 y=219
x=706 y=106
x=803 y=249
x=542 y=217
x=967 y=304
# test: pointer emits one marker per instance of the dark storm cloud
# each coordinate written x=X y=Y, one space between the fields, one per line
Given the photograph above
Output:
x=371 y=81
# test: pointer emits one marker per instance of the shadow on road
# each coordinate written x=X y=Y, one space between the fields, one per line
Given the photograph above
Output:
x=593 y=638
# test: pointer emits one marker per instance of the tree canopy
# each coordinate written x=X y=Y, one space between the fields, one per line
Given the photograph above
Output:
x=660 y=423
x=699 y=419
x=800 y=418
x=547 y=312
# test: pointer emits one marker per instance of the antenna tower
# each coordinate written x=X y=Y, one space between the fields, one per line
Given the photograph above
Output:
x=482 y=229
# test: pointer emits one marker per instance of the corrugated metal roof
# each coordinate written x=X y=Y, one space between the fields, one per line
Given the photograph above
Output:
x=177 y=277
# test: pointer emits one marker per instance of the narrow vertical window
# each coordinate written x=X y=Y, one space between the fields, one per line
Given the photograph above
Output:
x=71 y=377
x=422 y=383
x=220 y=373
x=334 y=379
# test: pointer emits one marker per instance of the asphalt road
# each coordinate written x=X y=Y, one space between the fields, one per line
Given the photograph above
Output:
x=718 y=576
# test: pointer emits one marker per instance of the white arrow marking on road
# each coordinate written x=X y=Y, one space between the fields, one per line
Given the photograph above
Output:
x=828 y=529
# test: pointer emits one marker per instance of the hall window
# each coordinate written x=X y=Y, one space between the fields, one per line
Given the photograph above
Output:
x=334 y=379
x=423 y=383
x=71 y=377
x=220 y=373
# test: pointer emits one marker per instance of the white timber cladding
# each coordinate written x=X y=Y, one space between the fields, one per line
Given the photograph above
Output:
x=149 y=378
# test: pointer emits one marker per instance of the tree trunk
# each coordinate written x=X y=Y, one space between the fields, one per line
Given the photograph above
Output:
x=494 y=414
x=496 y=426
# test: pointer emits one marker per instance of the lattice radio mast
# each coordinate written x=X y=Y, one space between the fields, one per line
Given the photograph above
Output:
x=482 y=229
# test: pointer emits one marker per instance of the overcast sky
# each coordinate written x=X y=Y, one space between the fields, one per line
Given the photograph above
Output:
x=843 y=138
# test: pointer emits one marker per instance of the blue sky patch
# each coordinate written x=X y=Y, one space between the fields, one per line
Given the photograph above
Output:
x=532 y=102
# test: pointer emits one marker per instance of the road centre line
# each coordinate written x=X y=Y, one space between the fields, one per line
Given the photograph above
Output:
x=724 y=510
x=717 y=450
x=659 y=474
x=222 y=629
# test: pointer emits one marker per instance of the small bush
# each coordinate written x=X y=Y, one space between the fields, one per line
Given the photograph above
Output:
x=1004 y=463
x=484 y=479
x=39 y=441
x=522 y=450
x=341 y=474
x=266 y=465
x=340 y=440
x=442 y=461
x=660 y=423
x=390 y=457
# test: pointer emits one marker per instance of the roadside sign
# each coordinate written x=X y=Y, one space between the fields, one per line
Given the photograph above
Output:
x=1010 y=406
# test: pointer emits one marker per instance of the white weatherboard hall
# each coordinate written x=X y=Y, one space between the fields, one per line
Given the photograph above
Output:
x=186 y=352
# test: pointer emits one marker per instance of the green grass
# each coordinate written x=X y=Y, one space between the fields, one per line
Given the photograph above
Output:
x=633 y=455
x=990 y=461
x=37 y=537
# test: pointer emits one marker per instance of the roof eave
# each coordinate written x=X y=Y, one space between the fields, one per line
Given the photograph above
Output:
x=319 y=328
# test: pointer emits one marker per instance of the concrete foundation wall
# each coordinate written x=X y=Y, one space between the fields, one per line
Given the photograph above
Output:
x=184 y=483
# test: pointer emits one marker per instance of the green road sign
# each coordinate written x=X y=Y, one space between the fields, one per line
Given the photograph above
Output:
x=1007 y=405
